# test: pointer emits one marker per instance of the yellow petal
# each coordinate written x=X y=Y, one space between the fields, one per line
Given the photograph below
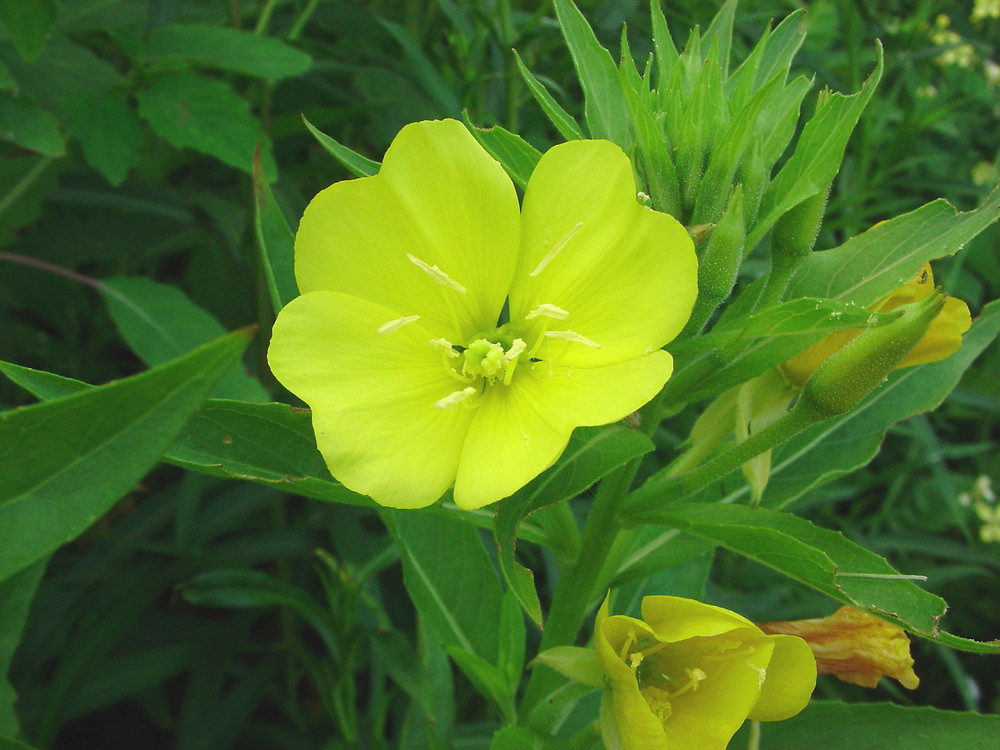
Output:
x=791 y=677
x=626 y=275
x=943 y=337
x=520 y=430
x=373 y=396
x=440 y=217
x=674 y=618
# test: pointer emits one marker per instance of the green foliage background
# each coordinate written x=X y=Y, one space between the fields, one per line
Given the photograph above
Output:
x=206 y=612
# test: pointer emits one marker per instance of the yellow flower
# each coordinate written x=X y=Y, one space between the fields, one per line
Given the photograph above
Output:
x=445 y=336
x=688 y=674
x=942 y=338
x=854 y=646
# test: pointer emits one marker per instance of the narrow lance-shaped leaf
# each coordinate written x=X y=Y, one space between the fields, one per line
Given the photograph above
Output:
x=274 y=240
x=516 y=155
x=66 y=462
x=563 y=121
x=604 y=104
x=821 y=559
x=355 y=163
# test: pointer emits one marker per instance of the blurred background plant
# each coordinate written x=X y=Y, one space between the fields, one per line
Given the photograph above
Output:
x=206 y=613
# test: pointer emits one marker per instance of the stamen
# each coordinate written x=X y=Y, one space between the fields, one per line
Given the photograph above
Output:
x=572 y=336
x=444 y=346
x=555 y=250
x=549 y=311
x=517 y=347
x=695 y=678
x=437 y=274
x=456 y=397
x=395 y=325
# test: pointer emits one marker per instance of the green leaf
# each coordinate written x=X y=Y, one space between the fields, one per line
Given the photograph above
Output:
x=274 y=240
x=239 y=589
x=488 y=680
x=205 y=114
x=519 y=738
x=16 y=595
x=227 y=49
x=880 y=726
x=563 y=120
x=30 y=126
x=66 y=462
x=818 y=153
x=841 y=445
x=63 y=69
x=867 y=267
x=9 y=743
x=355 y=163
x=821 y=559
x=423 y=70
x=109 y=132
x=592 y=453
x=28 y=23
x=707 y=365
x=160 y=322
x=450 y=579
x=604 y=104
x=516 y=155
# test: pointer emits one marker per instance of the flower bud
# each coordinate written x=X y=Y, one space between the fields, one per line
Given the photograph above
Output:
x=855 y=370
x=854 y=646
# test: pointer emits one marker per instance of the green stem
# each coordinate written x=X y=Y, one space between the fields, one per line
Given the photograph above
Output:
x=650 y=496
x=302 y=20
x=577 y=586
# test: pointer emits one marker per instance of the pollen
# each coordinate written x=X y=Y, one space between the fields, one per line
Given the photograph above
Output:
x=456 y=397
x=568 y=335
x=547 y=310
x=437 y=274
x=551 y=254
x=445 y=347
x=395 y=325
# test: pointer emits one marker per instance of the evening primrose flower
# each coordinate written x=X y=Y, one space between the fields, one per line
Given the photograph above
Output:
x=688 y=674
x=854 y=646
x=446 y=337
x=941 y=339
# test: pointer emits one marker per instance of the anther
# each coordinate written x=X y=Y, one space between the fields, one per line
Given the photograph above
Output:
x=437 y=274
x=572 y=336
x=444 y=346
x=455 y=397
x=555 y=249
x=548 y=311
x=395 y=325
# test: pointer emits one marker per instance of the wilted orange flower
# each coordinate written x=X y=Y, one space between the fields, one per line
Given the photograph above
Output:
x=854 y=646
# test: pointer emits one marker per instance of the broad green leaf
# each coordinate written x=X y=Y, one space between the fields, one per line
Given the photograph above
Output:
x=821 y=559
x=109 y=132
x=228 y=49
x=604 y=104
x=516 y=155
x=28 y=23
x=880 y=726
x=64 y=69
x=25 y=123
x=563 y=120
x=709 y=364
x=519 y=738
x=66 y=462
x=358 y=165
x=867 y=267
x=160 y=322
x=818 y=153
x=274 y=240
x=205 y=114
x=841 y=445
x=450 y=579
x=488 y=680
x=592 y=453
x=16 y=595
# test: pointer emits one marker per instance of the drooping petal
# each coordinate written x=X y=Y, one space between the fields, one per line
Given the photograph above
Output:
x=520 y=430
x=373 y=396
x=439 y=218
x=626 y=275
x=674 y=618
x=943 y=336
x=791 y=677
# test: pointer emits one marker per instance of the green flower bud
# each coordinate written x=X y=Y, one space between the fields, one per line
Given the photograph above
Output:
x=854 y=371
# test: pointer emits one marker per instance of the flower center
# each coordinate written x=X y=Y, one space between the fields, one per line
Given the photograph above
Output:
x=490 y=358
